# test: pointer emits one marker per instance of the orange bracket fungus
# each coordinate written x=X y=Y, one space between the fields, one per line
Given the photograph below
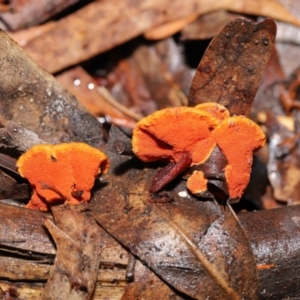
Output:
x=180 y=136
x=62 y=172
x=187 y=136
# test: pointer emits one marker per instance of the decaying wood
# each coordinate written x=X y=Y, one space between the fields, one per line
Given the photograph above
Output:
x=35 y=100
x=15 y=136
x=27 y=252
x=274 y=236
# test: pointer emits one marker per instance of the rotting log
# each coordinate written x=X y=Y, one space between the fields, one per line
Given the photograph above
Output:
x=274 y=236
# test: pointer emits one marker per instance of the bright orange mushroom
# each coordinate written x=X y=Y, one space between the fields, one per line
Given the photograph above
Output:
x=63 y=172
x=197 y=183
x=167 y=133
x=238 y=137
x=180 y=135
x=186 y=136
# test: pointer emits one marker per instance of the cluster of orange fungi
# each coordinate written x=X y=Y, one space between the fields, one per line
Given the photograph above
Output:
x=66 y=172
x=168 y=133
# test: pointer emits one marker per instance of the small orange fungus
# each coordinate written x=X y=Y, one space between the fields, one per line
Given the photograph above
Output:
x=167 y=133
x=196 y=183
x=62 y=172
x=171 y=133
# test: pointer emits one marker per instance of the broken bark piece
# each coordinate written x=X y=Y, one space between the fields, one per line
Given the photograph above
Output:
x=17 y=137
x=36 y=101
x=63 y=172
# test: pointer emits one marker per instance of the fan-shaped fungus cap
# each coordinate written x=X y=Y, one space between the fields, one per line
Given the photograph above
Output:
x=216 y=110
x=167 y=133
x=63 y=172
x=238 y=137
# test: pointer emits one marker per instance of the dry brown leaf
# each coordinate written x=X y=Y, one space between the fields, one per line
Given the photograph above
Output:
x=233 y=64
x=164 y=72
x=195 y=246
x=207 y=26
x=147 y=285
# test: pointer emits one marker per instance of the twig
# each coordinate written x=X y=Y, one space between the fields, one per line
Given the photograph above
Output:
x=110 y=99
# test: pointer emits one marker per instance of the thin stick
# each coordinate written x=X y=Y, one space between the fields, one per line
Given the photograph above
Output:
x=110 y=99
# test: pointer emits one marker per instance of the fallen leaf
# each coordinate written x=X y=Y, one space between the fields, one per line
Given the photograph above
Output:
x=90 y=35
x=147 y=285
x=207 y=26
x=164 y=72
x=168 y=29
x=196 y=246
x=227 y=74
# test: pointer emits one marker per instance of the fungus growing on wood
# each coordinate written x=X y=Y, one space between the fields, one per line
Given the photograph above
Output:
x=62 y=172
x=238 y=137
x=180 y=135
x=197 y=183
x=167 y=133
x=186 y=136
